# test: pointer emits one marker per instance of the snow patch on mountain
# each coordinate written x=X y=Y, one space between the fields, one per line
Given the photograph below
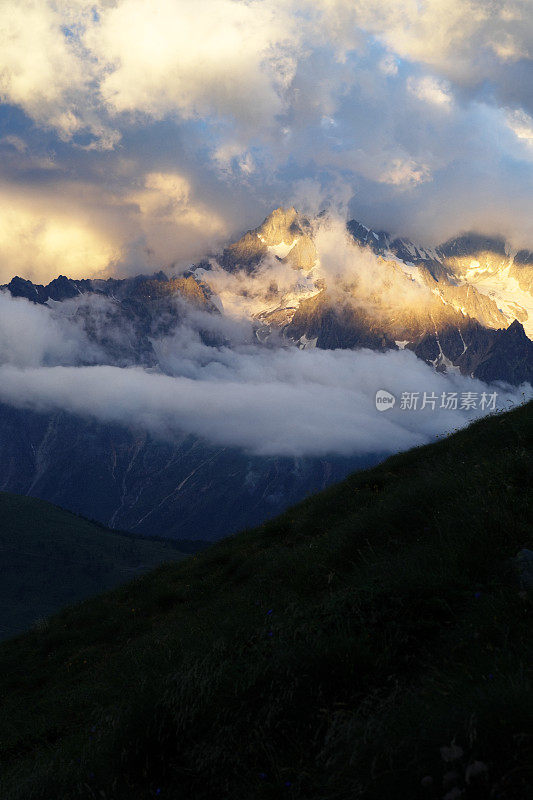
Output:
x=505 y=290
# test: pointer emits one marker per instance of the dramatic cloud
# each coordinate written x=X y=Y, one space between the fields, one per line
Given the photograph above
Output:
x=205 y=58
x=81 y=230
x=42 y=236
x=285 y=403
x=169 y=126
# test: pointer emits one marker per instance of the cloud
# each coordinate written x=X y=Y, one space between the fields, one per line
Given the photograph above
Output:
x=42 y=236
x=285 y=402
x=464 y=40
x=430 y=90
x=176 y=126
x=521 y=125
x=38 y=66
x=83 y=229
x=207 y=58
x=356 y=272
x=165 y=200
x=265 y=400
x=45 y=69
x=30 y=336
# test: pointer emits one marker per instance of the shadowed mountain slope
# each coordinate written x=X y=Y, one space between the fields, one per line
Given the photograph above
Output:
x=374 y=637
x=50 y=558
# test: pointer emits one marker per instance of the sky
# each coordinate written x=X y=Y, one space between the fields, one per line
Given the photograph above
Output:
x=139 y=134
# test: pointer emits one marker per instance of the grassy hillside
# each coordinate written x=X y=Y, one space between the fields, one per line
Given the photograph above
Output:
x=366 y=644
x=50 y=558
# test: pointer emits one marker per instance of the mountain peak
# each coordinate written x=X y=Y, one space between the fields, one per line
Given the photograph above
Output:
x=280 y=226
x=517 y=329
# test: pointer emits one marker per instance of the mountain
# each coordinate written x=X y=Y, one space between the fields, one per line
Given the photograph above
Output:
x=125 y=478
x=371 y=642
x=451 y=304
x=52 y=558
x=391 y=294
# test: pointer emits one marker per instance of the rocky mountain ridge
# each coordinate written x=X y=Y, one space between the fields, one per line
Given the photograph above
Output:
x=453 y=305
x=438 y=302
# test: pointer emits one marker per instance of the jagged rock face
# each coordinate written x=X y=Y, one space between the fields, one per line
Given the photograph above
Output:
x=462 y=323
x=490 y=355
x=470 y=244
x=61 y=288
x=142 y=308
x=482 y=270
x=331 y=326
x=150 y=289
x=509 y=357
x=452 y=322
x=449 y=323
x=452 y=342
x=489 y=266
x=283 y=233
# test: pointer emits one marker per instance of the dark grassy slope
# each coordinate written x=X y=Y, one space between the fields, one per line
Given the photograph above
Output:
x=326 y=655
x=50 y=558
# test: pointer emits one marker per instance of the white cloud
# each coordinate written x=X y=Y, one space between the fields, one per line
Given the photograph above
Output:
x=457 y=37
x=167 y=196
x=31 y=336
x=204 y=58
x=389 y=65
x=16 y=142
x=38 y=66
x=45 y=70
x=284 y=402
x=85 y=230
x=405 y=172
x=430 y=90
x=521 y=125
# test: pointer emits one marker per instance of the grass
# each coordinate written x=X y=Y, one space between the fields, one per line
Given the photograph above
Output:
x=51 y=558
x=329 y=654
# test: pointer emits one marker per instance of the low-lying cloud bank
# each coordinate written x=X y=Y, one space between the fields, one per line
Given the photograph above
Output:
x=266 y=400
x=285 y=402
